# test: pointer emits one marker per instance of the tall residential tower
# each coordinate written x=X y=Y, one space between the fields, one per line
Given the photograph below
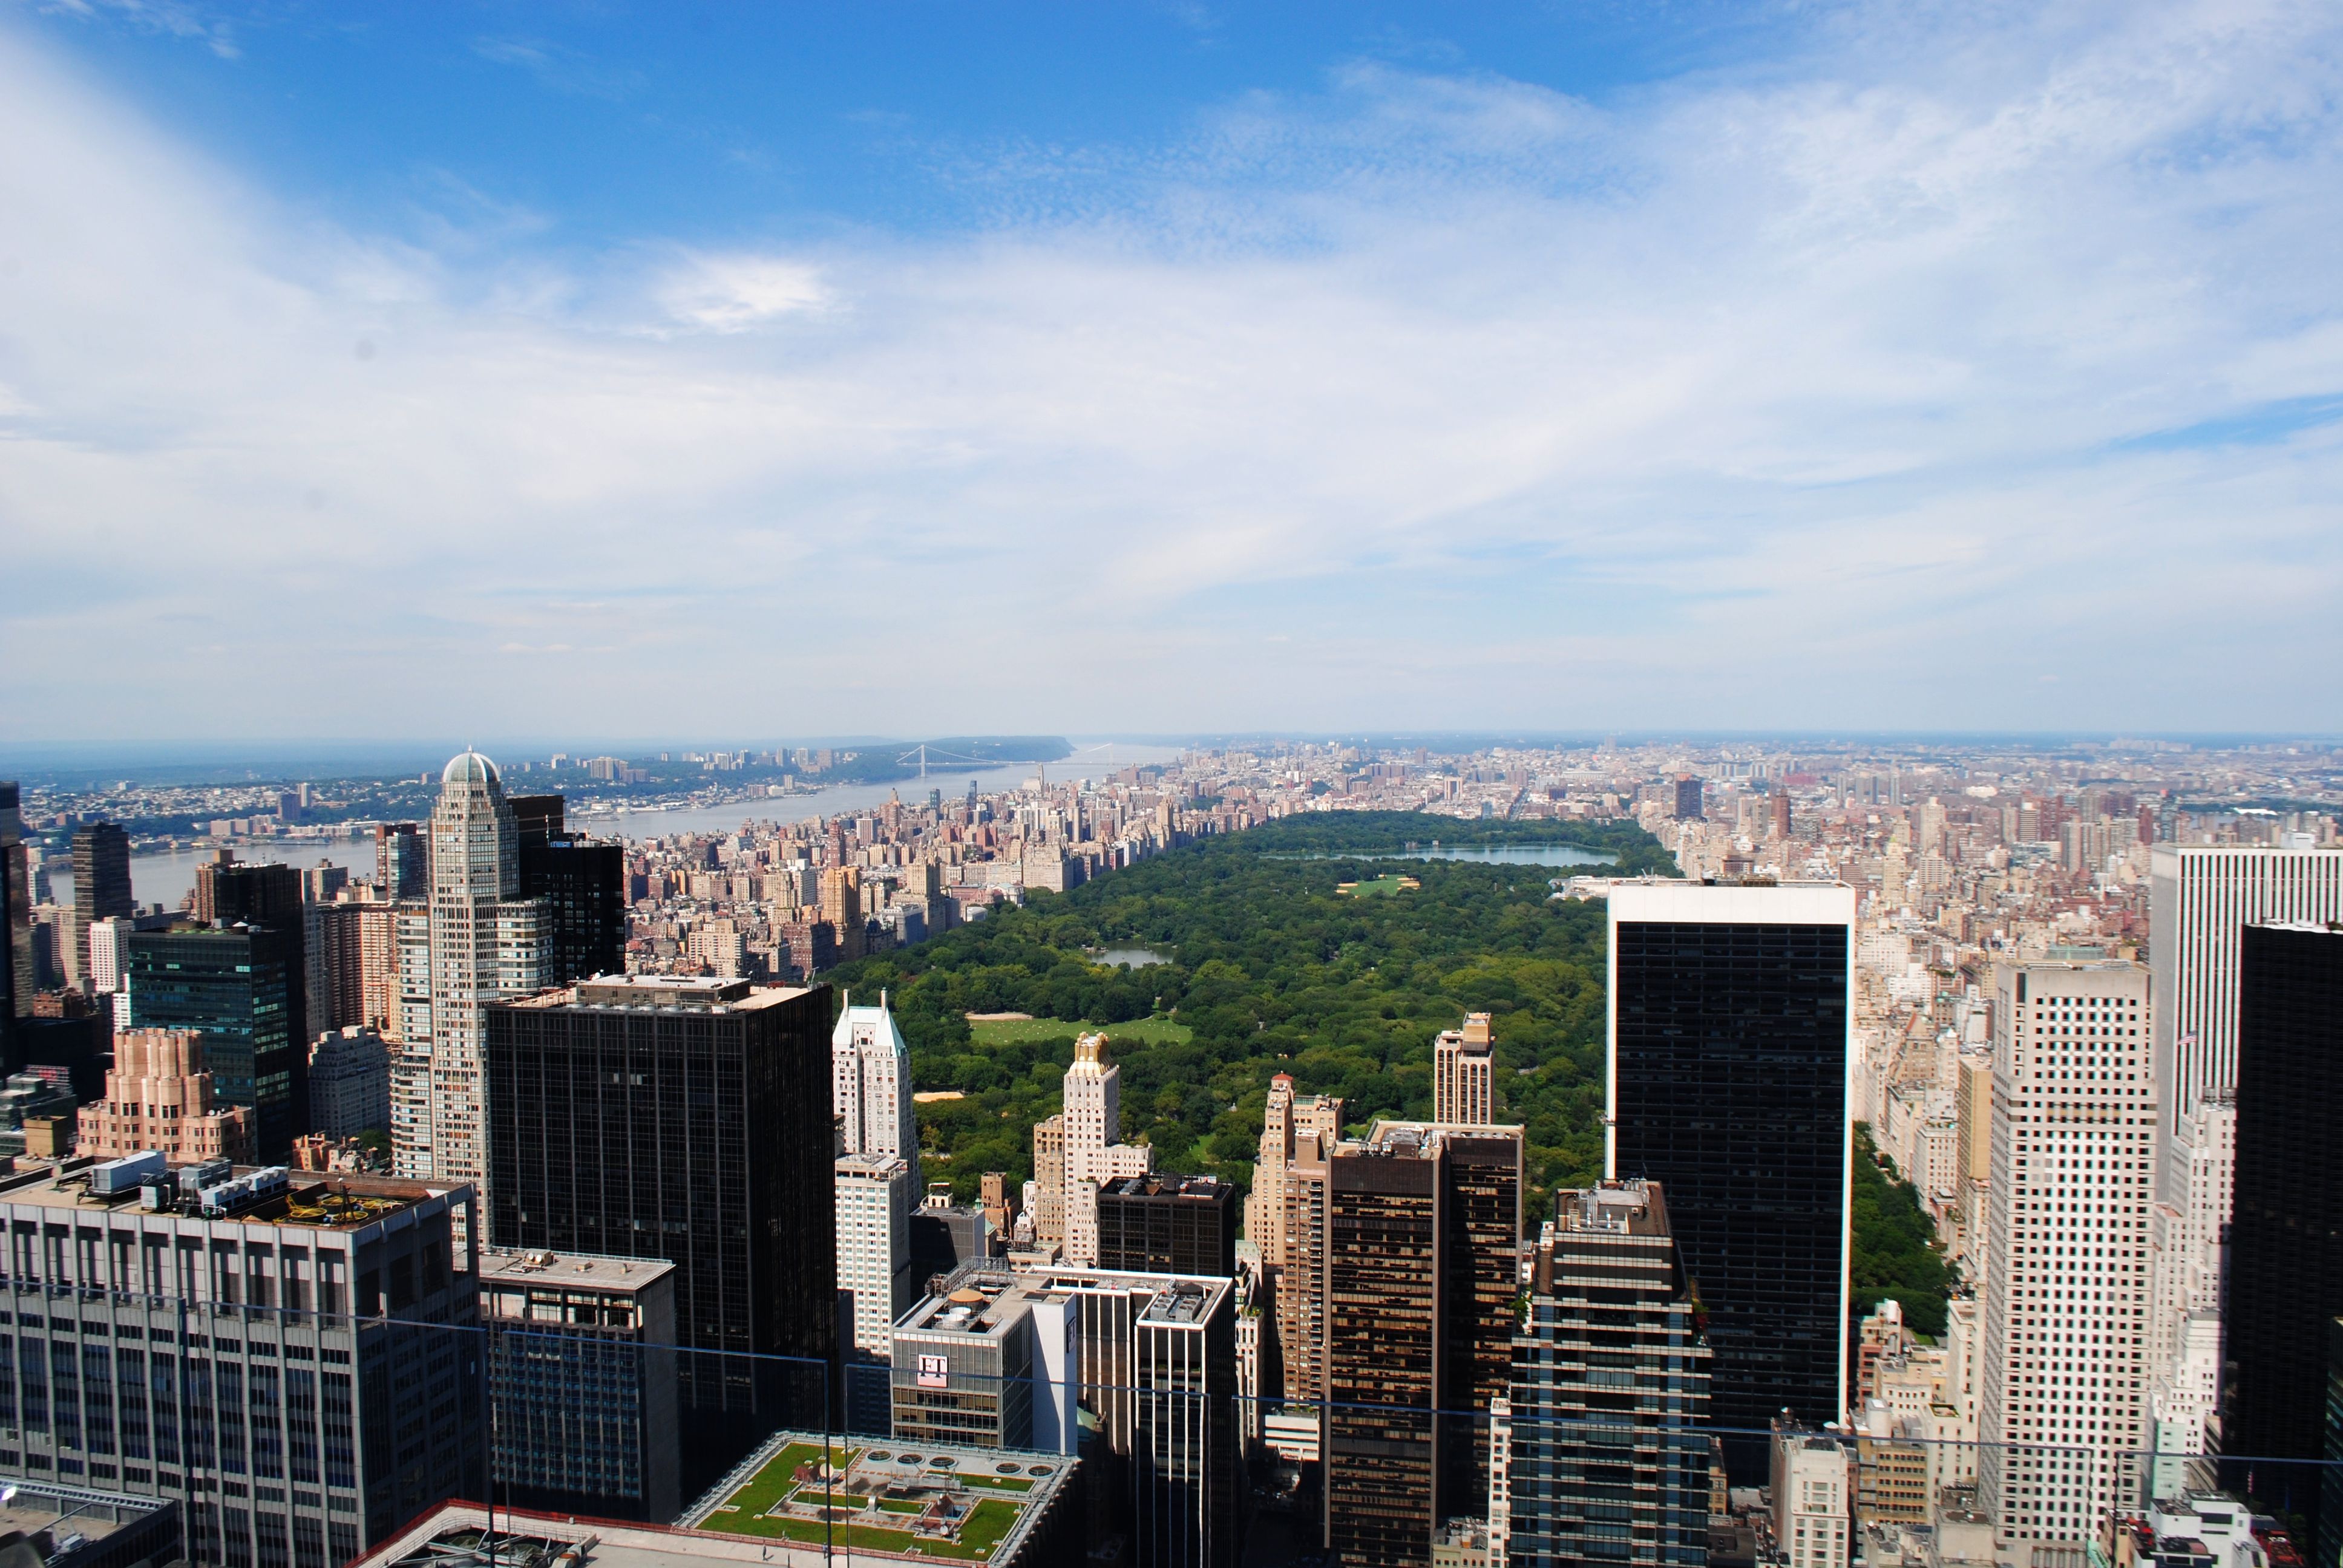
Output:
x=485 y=945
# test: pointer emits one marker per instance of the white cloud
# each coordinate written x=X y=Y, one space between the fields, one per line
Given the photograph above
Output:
x=1811 y=398
x=737 y=293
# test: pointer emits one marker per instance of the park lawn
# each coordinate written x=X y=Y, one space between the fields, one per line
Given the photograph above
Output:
x=1380 y=887
x=1017 y=1031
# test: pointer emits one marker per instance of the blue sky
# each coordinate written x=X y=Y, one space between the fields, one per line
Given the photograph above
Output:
x=903 y=368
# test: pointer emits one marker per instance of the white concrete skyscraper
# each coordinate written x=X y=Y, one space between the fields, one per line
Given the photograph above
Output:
x=870 y=1087
x=2063 y=1413
x=485 y=946
x=2201 y=897
x=1091 y=1126
x=874 y=1249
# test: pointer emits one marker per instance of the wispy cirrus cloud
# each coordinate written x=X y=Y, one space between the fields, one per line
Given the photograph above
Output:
x=1854 y=390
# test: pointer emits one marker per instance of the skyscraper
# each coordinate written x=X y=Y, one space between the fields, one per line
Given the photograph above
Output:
x=874 y=1244
x=2201 y=897
x=349 y=1083
x=268 y=894
x=842 y=906
x=1688 y=802
x=581 y=1367
x=1286 y=1116
x=870 y=1088
x=1091 y=1125
x=652 y=1116
x=1730 y=1014
x=1165 y=1224
x=234 y=986
x=2063 y=1414
x=16 y=976
x=1599 y=1472
x=2286 y=1252
x=158 y=1097
x=1462 y=1074
x=402 y=861
x=1423 y=1258
x=486 y=944
x=101 y=862
x=581 y=884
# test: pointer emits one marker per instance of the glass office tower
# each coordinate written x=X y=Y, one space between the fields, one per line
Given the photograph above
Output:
x=1730 y=1016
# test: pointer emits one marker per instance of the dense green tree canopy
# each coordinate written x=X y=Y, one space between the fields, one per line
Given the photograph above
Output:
x=1897 y=1254
x=1273 y=969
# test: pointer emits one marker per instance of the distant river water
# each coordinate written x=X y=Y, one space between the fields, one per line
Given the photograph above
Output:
x=169 y=876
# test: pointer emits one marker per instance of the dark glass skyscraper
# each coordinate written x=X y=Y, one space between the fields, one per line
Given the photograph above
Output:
x=2286 y=1245
x=101 y=863
x=240 y=987
x=16 y=976
x=689 y=1120
x=402 y=861
x=1729 y=1010
x=1168 y=1224
x=583 y=883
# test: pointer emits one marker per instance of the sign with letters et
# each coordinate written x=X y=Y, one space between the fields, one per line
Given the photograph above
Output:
x=933 y=1373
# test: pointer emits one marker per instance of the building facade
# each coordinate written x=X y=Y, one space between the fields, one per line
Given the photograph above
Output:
x=1464 y=1066
x=484 y=943
x=158 y=1097
x=580 y=887
x=1730 y=1018
x=2063 y=1409
x=1813 y=1499
x=16 y=968
x=402 y=861
x=582 y=1384
x=668 y=1117
x=234 y=987
x=1423 y=1259
x=870 y=1087
x=874 y=1244
x=1608 y=1451
x=349 y=1083
x=2202 y=897
x=294 y=1362
x=1166 y=1224
x=101 y=865
x=2286 y=1268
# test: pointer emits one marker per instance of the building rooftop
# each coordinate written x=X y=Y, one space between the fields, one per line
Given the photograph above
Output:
x=663 y=993
x=1421 y=1140
x=915 y=1499
x=1204 y=1189
x=1634 y=1206
x=976 y=1302
x=62 y=1522
x=502 y=1265
x=455 y=1535
x=322 y=1199
x=1185 y=1301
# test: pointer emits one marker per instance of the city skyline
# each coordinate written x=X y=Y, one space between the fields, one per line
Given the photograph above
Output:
x=1528 y=369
